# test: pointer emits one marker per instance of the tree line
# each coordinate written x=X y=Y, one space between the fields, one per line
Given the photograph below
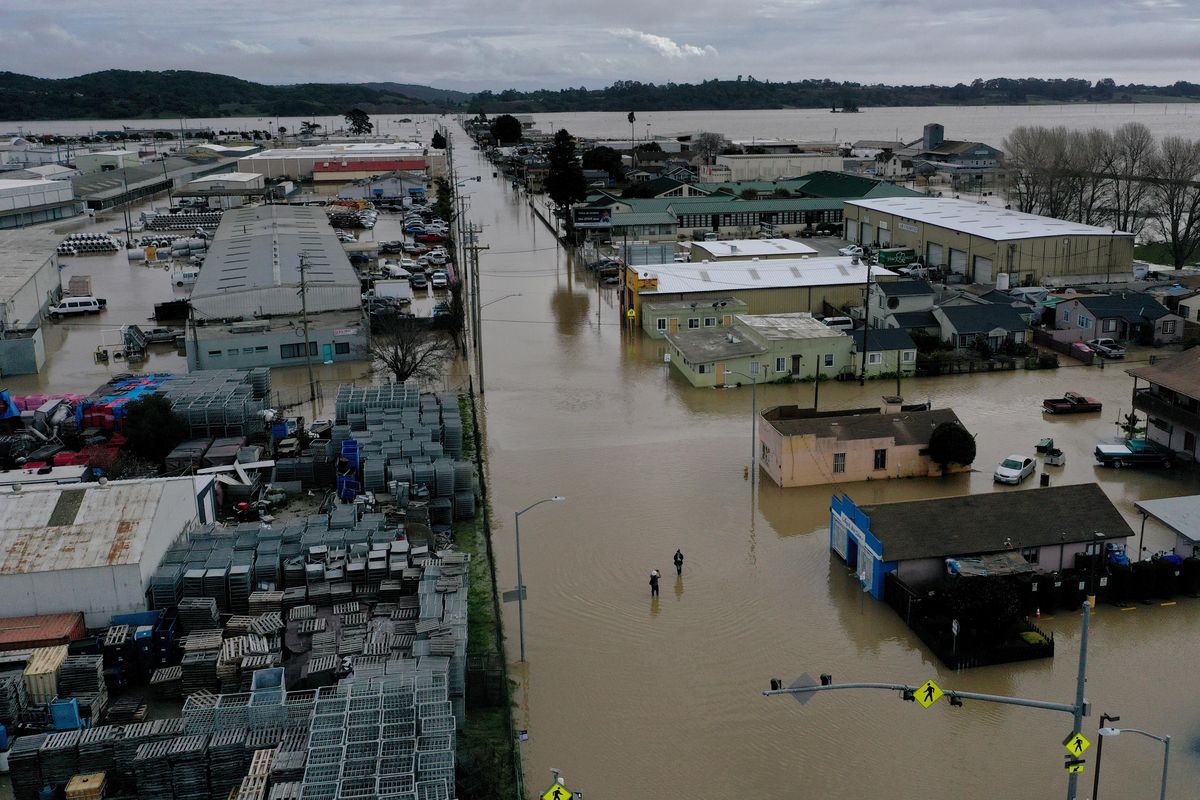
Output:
x=1126 y=179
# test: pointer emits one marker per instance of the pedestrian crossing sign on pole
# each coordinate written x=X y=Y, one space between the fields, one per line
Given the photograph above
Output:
x=929 y=693
x=1075 y=767
x=557 y=792
x=1077 y=745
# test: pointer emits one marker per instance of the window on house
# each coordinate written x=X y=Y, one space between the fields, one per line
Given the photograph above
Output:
x=661 y=323
x=233 y=351
x=247 y=351
x=1109 y=326
x=781 y=364
x=874 y=358
x=704 y=369
x=1168 y=327
x=827 y=359
x=1085 y=321
x=1066 y=315
x=341 y=348
x=881 y=459
x=262 y=348
x=710 y=322
x=215 y=353
x=1031 y=554
x=909 y=355
x=694 y=322
x=296 y=350
x=839 y=463
x=1185 y=311
x=1093 y=548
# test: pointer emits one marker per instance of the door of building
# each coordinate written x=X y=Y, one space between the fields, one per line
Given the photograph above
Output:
x=885 y=237
x=852 y=230
x=720 y=373
x=935 y=256
x=983 y=270
x=958 y=261
x=672 y=325
x=795 y=365
x=327 y=353
x=868 y=235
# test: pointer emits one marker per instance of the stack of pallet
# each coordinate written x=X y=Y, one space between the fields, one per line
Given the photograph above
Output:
x=86 y=787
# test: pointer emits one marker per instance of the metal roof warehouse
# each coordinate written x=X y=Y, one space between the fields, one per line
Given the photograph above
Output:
x=723 y=276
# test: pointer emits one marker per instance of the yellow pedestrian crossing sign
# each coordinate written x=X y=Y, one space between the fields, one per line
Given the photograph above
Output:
x=1075 y=768
x=1077 y=745
x=929 y=693
x=557 y=792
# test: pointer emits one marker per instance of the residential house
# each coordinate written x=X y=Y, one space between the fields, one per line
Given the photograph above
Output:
x=888 y=351
x=933 y=152
x=805 y=447
x=1189 y=308
x=762 y=348
x=1182 y=516
x=1127 y=317
x=663 y=186
x=1171 y=402
x=1042 y=528
x=963 y=326
x=889 y=298
x=661 y=318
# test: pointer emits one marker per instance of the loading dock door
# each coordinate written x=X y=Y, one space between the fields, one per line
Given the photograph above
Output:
x=936 y=256
x=885 y=237
x=852 y=230
x=958 y=262
x=983 y=270
x=868 y=234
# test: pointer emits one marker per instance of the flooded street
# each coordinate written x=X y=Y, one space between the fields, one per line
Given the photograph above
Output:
x=634 y=697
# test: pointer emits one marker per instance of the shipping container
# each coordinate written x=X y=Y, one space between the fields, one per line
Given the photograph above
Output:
x=27 y=633
x=41 y=673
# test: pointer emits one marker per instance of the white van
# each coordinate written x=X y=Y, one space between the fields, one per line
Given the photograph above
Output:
x=839 y=323
x=185 y=277
x=76 y=305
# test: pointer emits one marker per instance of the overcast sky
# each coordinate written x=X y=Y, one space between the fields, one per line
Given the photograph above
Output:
x=477 y=44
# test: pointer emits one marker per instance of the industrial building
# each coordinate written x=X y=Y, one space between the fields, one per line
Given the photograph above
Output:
x=979 y=243
x=816 y=285
x=106 y=161
x=226 y=186
x=769 y=166
x=129 y=184
x=247 y=307
x=740 y=249
x=344 y=161
x=93 y=547
x=29 y=281
x=29 y=202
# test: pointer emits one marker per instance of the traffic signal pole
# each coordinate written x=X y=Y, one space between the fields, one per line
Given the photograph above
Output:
x=1078 y=710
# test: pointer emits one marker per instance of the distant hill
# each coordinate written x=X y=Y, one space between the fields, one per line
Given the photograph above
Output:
x=120 y=94
x=444 y=97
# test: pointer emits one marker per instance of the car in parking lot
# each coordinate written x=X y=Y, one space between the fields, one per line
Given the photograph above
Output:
x=850 y=250
x=430 y=237
x=436 y=257
x=1014 y=469
x=418 y=280
x=439 y=279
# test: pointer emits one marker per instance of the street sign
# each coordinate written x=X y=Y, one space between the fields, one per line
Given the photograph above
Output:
x=557 y=792
x=1075 y=767
x=1077 y=745
x=929 y=693
x=802 y=681
x=631 y=313
x=666 y=358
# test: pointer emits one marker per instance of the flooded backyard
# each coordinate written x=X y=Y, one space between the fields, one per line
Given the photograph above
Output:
x=630 y=696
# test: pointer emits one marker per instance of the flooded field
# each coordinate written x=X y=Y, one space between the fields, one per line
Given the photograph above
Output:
x=632 y=696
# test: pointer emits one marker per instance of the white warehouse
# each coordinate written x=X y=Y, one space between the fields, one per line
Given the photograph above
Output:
x=93 y=547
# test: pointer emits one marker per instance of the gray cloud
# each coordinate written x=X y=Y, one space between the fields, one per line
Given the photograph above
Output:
x=476 y=44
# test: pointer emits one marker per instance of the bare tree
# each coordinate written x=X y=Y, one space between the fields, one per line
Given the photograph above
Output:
x=1134 y=153
x=409 y=349
x=1176 y=194
x=1090 y=156
x=707 y=145
x=1025 y=161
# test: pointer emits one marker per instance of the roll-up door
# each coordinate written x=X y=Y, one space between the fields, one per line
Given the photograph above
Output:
x=958 y=261
x=852 y=230
x=868 y=235
x=885 y=237
x=983 y=270
x=936 y=256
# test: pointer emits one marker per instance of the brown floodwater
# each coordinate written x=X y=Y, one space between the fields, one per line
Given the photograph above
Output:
x=631 y=696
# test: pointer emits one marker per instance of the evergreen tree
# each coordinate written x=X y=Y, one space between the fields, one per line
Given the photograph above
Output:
x=565 y=182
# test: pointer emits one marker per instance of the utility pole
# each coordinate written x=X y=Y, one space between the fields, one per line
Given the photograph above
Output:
x=312 y=386
x=862 y=375
x=1078 y=709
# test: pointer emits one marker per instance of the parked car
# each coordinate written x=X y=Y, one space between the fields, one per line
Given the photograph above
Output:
x=161 y=335
x=418 y=280
x=391 y=248
x=1071 y=403
x=1133 y=453
x=430 y=237
x=851 y=250
x=415 y=249
x=1014 y=469
x=69 y=306
x=437 y=258
x=1109 y=348
x=439 y=279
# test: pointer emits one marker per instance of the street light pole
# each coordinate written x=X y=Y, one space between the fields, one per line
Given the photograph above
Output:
x=753 y=425
x=1104 y=718
x=1166 y=742
x=520 y=581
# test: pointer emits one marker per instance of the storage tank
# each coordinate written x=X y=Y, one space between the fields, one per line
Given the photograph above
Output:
x=1002 y=282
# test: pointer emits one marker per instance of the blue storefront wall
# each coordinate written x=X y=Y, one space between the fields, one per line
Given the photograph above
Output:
x=851 y=538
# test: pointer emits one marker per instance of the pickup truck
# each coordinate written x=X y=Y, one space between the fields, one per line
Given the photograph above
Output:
x=1134 y=452
x=1107 y=347
x=1071 y=403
